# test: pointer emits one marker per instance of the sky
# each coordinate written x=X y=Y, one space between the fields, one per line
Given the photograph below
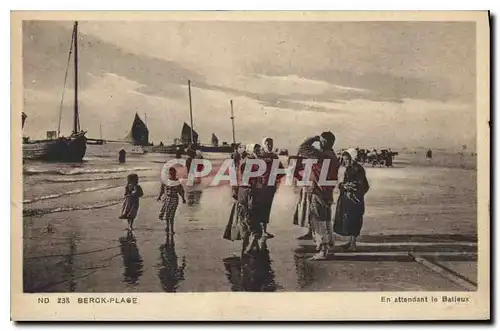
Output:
x=374 y=84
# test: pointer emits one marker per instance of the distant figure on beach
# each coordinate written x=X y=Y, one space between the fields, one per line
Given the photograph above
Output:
x=191 y=154
x=339 y=158
x=268 y=191
x=130 y=207
x=388 y=158
x=238 y=155
x=317 y=200
x=351 y=203
x=122 y=156
x=169 y=195
x=429 y=154
x=199 y=167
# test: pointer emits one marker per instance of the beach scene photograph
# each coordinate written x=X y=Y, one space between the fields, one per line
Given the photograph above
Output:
x=249 y=156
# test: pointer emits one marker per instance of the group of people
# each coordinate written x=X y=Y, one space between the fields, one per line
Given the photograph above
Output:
x=253 y=198
x=169 y=196
x=384 y=157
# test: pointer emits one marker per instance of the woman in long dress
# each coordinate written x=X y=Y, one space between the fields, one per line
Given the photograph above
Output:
x=244 y=216
x=351 y=202
x=269 y=189
x=301 y=216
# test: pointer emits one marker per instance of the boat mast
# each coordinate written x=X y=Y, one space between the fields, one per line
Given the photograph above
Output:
x=100 y=130
x=191 y=112
x=76 y=124
x=232 y=121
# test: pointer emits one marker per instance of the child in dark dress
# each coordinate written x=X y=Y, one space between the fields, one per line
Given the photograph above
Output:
x=130 y=207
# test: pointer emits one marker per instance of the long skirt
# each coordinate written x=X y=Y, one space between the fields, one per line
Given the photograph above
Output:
x=320 y=218
x=169 y=207
x=301 y=216
x=130 y=208
x=264 y=203
x=349 y=216
x=248 y=222
x=233 y=229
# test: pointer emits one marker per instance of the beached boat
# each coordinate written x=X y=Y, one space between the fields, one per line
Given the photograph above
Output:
x=219 y=149
x=189 y=137
x=137 y=150
x=139 y=133
x=55 y=147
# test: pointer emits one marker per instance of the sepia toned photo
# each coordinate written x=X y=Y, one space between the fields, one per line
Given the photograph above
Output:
x=337 y=160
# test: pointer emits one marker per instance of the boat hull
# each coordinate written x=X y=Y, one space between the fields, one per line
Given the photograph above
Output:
x=217 y=149
x=169 y=149
x=172 y=149
x=70 y=149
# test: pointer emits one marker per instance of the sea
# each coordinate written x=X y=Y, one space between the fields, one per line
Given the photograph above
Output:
x=58 y=187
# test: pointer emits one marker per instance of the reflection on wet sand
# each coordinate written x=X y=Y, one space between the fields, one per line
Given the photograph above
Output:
x=193 y=200
x=304 y=270
x=193 y=197
x=69 y=269
x=132 y=260
x=169 y=271
x=252 y=273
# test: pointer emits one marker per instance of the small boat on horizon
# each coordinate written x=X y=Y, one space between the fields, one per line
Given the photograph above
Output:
x=189 y=137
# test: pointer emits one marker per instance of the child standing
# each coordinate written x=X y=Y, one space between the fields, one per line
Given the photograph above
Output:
x=133 y=192
x=169 y=194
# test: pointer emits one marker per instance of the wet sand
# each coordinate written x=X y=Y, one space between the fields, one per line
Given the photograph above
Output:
x=426 y=210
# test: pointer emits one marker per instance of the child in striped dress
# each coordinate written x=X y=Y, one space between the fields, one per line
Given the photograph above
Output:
x=169 y=195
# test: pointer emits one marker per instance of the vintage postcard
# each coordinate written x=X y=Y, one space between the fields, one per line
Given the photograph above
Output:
x=338 y=161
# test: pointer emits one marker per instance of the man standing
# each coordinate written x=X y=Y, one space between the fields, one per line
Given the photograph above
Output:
x=320 y=194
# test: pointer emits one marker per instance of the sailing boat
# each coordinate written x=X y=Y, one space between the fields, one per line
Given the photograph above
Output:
x=139 y=133
x=215 y=140
x=225 y=147
x=58 y=148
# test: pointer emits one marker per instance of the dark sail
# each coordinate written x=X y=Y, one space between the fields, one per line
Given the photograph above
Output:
x=186 y=134
x=24 y=118
x=215 y=140
x=139 y=133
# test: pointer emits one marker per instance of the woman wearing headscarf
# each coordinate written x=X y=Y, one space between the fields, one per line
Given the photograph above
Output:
x=244 y=222
x=319 y=196
x=269 y=189
x=301 y=216
x=351 y=202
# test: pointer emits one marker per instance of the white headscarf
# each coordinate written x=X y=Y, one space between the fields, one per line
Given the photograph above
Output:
x=353 y=153
x=250 y=148
x=264 y=145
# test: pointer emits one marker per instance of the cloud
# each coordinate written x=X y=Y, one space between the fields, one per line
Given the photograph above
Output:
x=45 y=55
x=395 y=84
